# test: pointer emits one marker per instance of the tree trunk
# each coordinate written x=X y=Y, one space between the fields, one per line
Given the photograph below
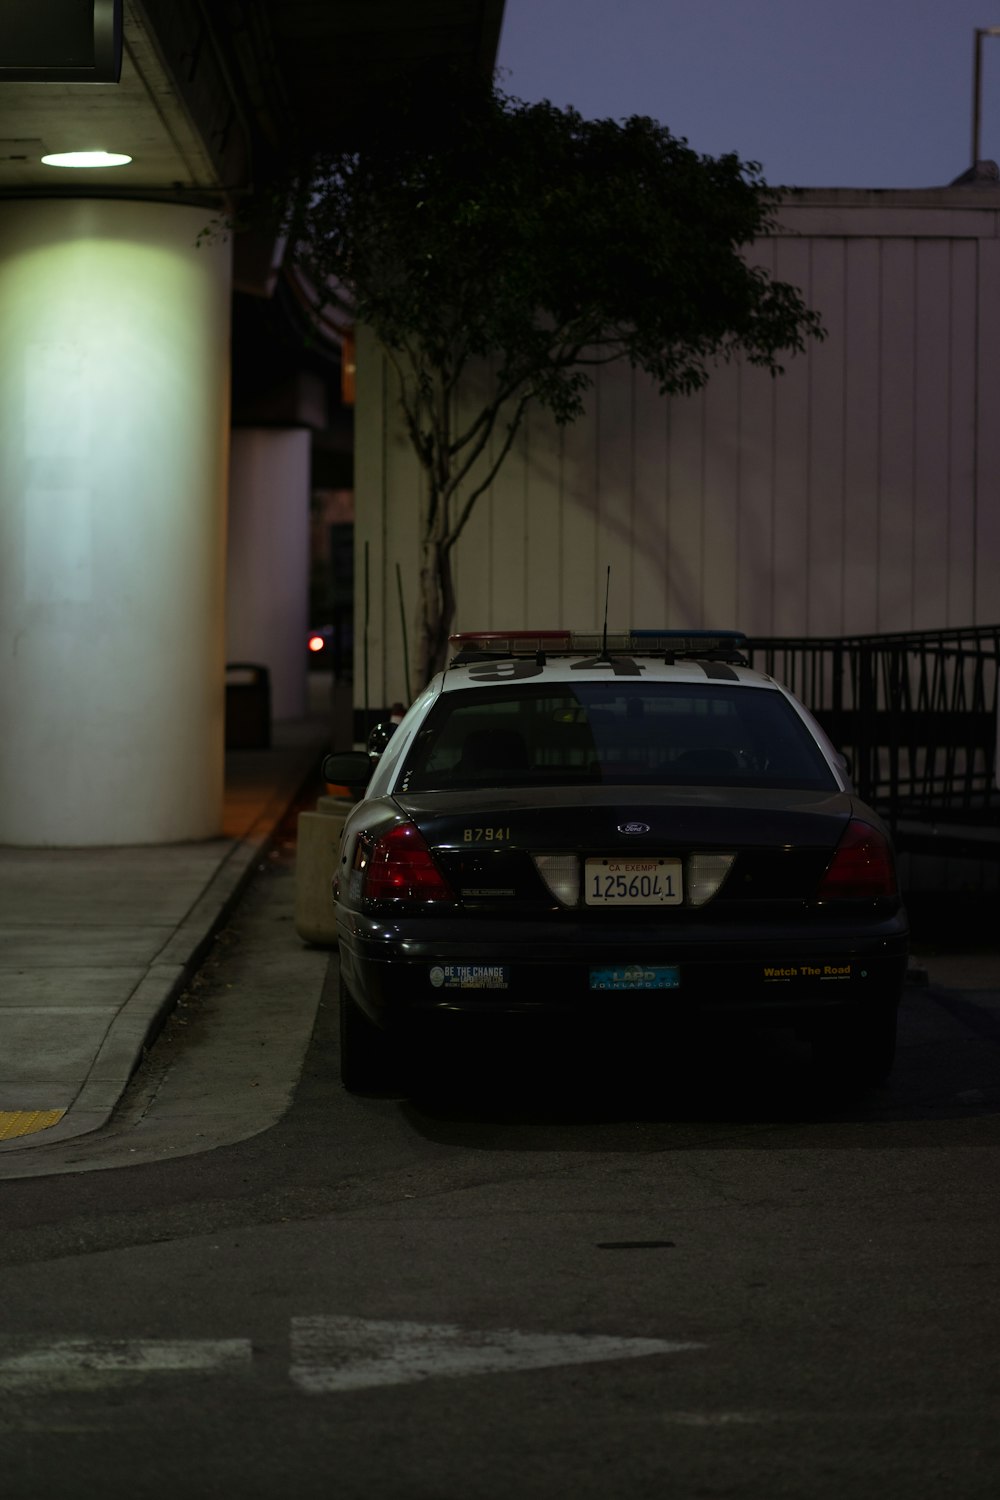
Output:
x=437 y=607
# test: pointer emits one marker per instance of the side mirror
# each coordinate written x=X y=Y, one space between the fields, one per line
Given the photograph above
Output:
x=350 y=768
x=378 y=739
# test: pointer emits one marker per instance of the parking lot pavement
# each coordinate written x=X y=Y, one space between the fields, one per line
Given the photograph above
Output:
x=959 y=971
x=96 y=944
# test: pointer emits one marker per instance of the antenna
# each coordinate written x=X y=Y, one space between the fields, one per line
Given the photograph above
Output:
x=367 y=605
x=604 y=636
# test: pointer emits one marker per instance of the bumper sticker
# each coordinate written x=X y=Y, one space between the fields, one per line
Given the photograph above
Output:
x=636 y=977
x=788 y=973
x=470 y=977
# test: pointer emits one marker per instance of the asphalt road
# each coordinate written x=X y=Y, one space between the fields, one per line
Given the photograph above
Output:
x=575 y=1277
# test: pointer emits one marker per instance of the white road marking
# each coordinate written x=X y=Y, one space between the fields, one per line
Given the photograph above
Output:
x=77 y=1363
x=328 y=1354
x=331 y=1354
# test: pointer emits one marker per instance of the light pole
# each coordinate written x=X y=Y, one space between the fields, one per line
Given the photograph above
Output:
x=977 y=86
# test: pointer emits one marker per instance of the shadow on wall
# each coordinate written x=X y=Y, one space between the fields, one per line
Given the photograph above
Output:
x=602 y=519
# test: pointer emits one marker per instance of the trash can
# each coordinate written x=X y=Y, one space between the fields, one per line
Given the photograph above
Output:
x=248 y=706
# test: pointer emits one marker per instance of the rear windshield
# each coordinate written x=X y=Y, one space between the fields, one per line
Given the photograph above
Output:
x=648 y=734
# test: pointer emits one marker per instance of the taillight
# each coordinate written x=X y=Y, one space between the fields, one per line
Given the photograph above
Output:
x=399 y=867
x=861 y=868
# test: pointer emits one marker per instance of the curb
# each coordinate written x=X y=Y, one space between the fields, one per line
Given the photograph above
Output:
x=148 y=1007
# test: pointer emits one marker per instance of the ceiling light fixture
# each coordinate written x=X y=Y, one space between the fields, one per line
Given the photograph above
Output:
x=86 y=159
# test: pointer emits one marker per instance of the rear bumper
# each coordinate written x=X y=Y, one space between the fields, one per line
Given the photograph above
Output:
x=403 y=974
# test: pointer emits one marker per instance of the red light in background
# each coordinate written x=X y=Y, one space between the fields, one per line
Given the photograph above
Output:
x=315 y=643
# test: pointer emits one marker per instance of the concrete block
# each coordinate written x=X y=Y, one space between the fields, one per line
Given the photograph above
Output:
x=317 y=852
x=337 y=807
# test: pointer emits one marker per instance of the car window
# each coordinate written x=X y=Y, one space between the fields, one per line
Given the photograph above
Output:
x=653 y=733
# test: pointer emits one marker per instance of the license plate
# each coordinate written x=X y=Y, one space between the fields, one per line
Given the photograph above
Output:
x=633 y=882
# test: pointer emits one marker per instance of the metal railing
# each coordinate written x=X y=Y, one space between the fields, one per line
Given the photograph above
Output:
x=915 y=713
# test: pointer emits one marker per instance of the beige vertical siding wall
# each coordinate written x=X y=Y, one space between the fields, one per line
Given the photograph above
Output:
x=858 y=492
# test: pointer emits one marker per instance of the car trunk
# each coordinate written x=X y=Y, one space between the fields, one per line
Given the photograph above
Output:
x=541 y=850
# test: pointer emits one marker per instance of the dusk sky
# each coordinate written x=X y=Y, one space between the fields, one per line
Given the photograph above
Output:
x=823 y=93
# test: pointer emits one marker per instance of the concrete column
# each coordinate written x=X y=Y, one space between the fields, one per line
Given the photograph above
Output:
x=114 y=422
x=267 y=601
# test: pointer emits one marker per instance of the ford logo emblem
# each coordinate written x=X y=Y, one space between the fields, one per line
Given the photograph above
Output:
x=633 y=827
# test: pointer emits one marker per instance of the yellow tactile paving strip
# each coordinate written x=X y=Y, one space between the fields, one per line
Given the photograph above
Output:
x=26 y=1121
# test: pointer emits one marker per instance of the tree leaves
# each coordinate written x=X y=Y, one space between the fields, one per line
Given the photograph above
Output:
x=466 y=224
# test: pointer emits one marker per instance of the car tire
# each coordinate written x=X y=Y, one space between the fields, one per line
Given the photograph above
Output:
x=857 y=1050
x=367 y=1056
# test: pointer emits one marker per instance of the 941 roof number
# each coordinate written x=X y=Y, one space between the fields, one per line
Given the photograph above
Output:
x=506 y=670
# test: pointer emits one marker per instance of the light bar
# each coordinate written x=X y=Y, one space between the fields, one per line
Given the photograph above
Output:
x=511 y=642
x=590 y=642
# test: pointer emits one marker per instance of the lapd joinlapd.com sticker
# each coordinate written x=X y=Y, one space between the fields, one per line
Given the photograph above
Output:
x=470 y=976
x=636 y=977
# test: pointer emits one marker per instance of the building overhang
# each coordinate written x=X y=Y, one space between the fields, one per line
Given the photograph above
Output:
x=215 y=95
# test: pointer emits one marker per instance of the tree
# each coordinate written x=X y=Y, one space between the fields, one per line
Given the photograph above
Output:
x=468 y=228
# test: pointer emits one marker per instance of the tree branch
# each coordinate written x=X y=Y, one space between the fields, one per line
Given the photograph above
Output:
x=488 y=416
x=488 y=412
x=491 y=474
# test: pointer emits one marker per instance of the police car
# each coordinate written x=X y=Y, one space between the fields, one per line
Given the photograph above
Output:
x=604 y=831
